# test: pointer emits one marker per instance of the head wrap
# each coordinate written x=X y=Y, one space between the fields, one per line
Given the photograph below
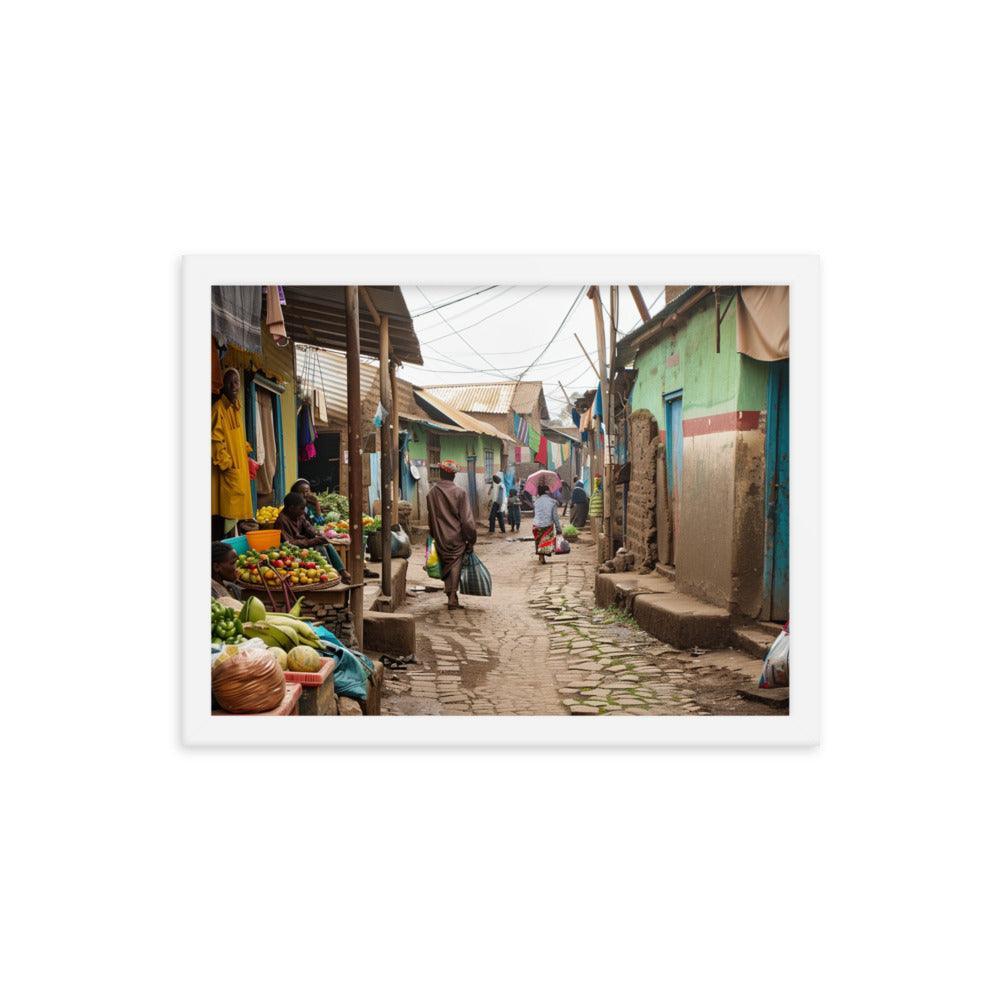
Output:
x=448 y=466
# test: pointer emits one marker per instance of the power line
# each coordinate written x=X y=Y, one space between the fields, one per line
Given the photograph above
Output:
x=456 y=332
x=445 y=336
x=476 y=305
x=452 y=302
x=569 y=312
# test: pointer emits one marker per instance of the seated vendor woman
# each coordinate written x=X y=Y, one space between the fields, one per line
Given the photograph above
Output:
x=295 y=527
x=314 y=511
x=224 y=571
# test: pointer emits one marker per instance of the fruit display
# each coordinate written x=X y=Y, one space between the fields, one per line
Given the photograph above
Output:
x=335 y=505
x=303 y=658
x=300 y=567
x=226 y=627
x=284 y=632
x=370 y=524
x=336 y=534
x=266 y=516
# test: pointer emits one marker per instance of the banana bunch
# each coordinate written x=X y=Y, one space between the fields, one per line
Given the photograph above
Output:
x=281 y=630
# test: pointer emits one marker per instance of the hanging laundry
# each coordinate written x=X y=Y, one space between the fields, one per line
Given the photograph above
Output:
x=534 y=440
x=541 y=455
x=380 y=414
x=275 y=319
x=319 y=398
x=306 y=434
x=521 y=428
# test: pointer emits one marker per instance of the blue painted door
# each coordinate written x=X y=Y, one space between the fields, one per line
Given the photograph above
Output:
x=674 y=455
x=776 y=495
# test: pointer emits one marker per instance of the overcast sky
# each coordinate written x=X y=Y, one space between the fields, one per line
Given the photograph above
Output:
x=506 y=329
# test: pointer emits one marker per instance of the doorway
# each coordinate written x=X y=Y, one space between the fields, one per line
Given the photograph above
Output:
x=264 y=435
x=673 y=455
x=776 y=495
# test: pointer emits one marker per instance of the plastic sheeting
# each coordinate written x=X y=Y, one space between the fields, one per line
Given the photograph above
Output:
x=762 y=322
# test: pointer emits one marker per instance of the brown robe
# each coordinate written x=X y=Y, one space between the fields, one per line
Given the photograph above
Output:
x=453 y=528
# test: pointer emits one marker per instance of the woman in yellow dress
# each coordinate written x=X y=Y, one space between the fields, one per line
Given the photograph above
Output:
x=230 y=472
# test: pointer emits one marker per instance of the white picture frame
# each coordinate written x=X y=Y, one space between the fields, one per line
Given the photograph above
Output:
x=801 y=727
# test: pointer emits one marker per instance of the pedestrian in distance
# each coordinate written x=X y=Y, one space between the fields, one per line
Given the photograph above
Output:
x=452 y=526
x=514 y=509
x=498 y=504
x=546 y=524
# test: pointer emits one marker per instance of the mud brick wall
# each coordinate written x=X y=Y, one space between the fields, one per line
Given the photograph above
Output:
x=339 y=621
x=643 y=441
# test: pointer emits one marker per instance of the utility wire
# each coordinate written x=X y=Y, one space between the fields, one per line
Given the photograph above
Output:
x=459 y=331
x=569 y=312
x=452 y=302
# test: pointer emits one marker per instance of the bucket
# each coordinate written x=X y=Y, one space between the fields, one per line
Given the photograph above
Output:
x=239 y=543
x=260 y=540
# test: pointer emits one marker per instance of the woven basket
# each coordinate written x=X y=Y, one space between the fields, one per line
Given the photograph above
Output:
x=249 y=681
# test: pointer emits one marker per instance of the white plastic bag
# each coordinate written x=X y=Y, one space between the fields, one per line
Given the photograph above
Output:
x=775 y=672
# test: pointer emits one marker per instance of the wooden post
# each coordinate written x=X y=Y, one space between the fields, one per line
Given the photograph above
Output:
x=354 y=471
x=612 y=425
x=394 y=419
x=595 y=297
x=640 y=302
x=385 y=391
x=587 y=356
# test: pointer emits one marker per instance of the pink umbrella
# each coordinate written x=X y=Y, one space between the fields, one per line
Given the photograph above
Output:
x=553 y=482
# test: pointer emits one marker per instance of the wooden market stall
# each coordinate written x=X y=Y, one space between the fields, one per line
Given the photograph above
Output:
x=373 y=321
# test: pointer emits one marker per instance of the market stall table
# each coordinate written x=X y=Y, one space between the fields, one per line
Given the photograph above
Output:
x=318 y=695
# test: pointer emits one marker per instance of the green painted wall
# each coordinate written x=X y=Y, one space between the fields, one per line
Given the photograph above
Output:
x=710 y=381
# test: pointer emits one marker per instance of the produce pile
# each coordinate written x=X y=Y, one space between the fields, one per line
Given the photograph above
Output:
x=226 y=626
x=266 y=516
x=570 y=532
x=338 y=531
x=335 y=505
x=293 y=641
x=301 y=567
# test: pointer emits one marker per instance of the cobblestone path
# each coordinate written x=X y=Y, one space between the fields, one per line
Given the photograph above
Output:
x=539 y=646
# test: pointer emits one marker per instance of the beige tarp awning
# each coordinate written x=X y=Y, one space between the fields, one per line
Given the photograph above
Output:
x=762 y=322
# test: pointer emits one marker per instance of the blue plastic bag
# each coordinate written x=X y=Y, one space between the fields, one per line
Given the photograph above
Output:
x=353 y=669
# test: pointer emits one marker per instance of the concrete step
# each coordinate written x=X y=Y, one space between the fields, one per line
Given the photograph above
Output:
x=753 y=639
x=682 y=621
x=621 y=589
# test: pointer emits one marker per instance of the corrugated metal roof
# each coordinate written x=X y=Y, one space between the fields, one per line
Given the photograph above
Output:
x=434 y=403
x=327 y=370
x=316 y=315
x=492 y=397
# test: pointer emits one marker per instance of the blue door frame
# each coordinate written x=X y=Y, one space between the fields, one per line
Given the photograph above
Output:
x=776 y=495
x=673 y=453
x=250 y=408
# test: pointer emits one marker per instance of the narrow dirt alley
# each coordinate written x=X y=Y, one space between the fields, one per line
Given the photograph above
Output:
x=540 y=646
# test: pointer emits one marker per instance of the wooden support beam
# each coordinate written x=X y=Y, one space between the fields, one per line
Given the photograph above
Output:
x=373 y=312
x=609 y=407
x=640 y=302
x=594 y=295
x=394 y=419
x=385 y=394
x=354 y=458
x=718 y=323
x=587 y=356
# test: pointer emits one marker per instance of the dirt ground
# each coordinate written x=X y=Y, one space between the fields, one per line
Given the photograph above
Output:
x=540 y=646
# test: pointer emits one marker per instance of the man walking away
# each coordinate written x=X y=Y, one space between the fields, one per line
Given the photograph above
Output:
x=514 y=510
x=498 y=504
x=453 y=528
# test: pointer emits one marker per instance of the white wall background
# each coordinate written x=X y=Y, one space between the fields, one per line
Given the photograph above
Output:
x=866 y=867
